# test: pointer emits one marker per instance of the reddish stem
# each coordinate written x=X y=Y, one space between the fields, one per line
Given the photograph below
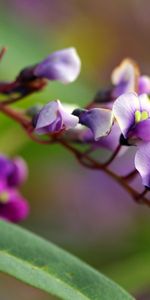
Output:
x=131 y=175
x=2 y=52
x=84 y=160
x=113 y=156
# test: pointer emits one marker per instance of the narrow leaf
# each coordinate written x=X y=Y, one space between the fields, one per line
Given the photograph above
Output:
x=43 y=265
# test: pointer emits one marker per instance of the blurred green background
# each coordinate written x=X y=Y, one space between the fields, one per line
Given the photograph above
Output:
x=82 y=211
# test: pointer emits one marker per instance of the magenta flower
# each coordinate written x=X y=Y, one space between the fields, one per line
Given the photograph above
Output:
x=13 y=207
x=53 y=118
x=98 y=120
x=132 y=113
x=63 y=65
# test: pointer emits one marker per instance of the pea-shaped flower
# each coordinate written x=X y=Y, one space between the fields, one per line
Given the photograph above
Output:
x=126 y=78
x=98 y=120
x=63 y=65
x=132 y=113
x=53 y=118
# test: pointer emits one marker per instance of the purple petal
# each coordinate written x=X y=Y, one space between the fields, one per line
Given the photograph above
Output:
x=144 y=85
x=5 y=166
x=142 y=130
x=142 y=162
x=53 y=118
x=63 y=65
x=18 y=173
x=69 y=120
x=110 y=141
x=124 y=111
x=47 y=115
x=98 y=120
x=144 y=103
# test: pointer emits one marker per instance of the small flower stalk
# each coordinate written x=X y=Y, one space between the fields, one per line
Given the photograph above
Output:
x=117 y=119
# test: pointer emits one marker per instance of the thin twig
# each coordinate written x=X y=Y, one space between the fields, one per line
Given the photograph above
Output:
x=94 y=165
x=131 y=175
x=12 y=100
x=2 y=52
x=113 y=156
x=84 y=160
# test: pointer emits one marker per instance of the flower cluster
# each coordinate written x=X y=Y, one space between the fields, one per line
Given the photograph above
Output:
x=124 y=118
x=117 y=116
x=13 y=207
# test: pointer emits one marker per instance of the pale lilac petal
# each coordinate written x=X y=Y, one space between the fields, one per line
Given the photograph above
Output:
x=144 y=85
x=69 y=120
x=53 y=118
x=124 y=77
x=142 y=162
x=142 y=130
x=124 y=111
x=47 y=115
x=63 y=65
x=112 y=140
x=144 y=103
x=98 y=120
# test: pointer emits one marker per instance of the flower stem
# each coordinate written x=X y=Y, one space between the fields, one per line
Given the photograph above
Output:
x=85 y=159
x=113 y=156
x=2 y=52
x=16 y=116
x=131 y=175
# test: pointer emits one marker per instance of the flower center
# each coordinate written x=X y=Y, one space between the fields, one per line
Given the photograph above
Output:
x=4 y=197
x=141 y=116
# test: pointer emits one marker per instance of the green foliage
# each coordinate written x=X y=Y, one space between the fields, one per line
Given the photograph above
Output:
x=45 y=266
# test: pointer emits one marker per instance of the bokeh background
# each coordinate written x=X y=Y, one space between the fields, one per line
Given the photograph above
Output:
x=82 y=211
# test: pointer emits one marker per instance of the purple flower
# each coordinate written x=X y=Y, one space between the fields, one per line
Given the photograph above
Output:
x=109 y=142
x=132 y=113
x=13 y=172
x=53 y=118
x=98 y=120
x=63 y=65
x=125 y=77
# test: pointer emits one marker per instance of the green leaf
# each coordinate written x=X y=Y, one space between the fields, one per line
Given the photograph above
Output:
x=135 y=271
x=43 y=265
